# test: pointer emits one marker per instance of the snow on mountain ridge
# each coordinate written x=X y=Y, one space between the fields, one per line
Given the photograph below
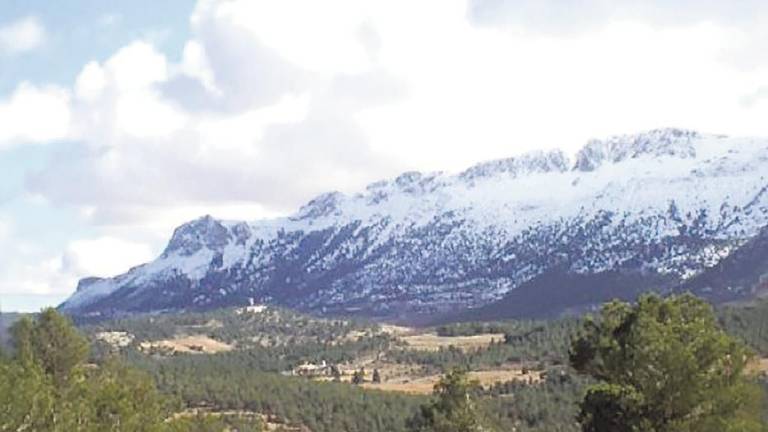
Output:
x=668 y=201
x=529 y=163
x=658 y=142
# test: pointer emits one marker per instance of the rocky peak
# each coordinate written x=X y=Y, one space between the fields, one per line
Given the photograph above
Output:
x=87 y=282
x=410 y=182
x=323 y=205
x=658 y=142
x=414 y=182
x=408 y=179
x=205 y=232
x=529 y=163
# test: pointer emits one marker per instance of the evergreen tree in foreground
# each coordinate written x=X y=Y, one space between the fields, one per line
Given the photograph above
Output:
x=663 y=365
x=46 y=385
x=454 y=408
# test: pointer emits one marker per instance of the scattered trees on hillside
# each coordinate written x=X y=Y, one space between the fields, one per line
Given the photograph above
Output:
x=663 y=365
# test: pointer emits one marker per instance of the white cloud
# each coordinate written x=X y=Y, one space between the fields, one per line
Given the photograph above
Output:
x=90 y=82
x=136 y=66
x=26 y=268
x=195 y=64
x=273 y=106
x=274 y=102
x=34 y=115
x=318 y=36
x=25 y=34
x=32 y=270
x=570 y=16
x=119 y=98
x=252 y=134
x=104 y=256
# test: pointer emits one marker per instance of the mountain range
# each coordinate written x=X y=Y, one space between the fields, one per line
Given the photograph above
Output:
x=538 y=234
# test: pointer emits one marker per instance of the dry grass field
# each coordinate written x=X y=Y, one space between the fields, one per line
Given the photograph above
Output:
x=758 y=366
x=396 y=330
x=415 y=379
x=433 y=342
x=188 y=344
x=425 y=384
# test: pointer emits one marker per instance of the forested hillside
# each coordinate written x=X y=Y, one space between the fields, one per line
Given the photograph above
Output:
x=271 y=343
x=267 y=367
x=749 y=322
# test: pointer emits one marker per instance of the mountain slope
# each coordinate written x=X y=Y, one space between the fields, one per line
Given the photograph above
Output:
x=744 y=273
x=666 y=204
x=558 y=292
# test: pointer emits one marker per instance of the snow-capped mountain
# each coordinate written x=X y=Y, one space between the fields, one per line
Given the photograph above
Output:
x=666 y=205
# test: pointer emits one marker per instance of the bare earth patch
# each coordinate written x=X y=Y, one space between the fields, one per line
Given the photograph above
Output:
x=188 y=344
x=758 y=366
x=396 y=330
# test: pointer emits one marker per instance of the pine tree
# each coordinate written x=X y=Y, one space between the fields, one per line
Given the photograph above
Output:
x=358 y=377
x=454 y=408
x=46 y=385
x=664 y=366
x=336 y=373
x=57 y=346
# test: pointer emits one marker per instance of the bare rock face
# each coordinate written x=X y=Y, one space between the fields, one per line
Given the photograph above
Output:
x=199 y=234
x=659 y=142
x=657 y=208
x=530 y=163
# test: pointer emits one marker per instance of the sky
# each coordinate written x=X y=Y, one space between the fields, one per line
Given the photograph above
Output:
x=121 y=120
